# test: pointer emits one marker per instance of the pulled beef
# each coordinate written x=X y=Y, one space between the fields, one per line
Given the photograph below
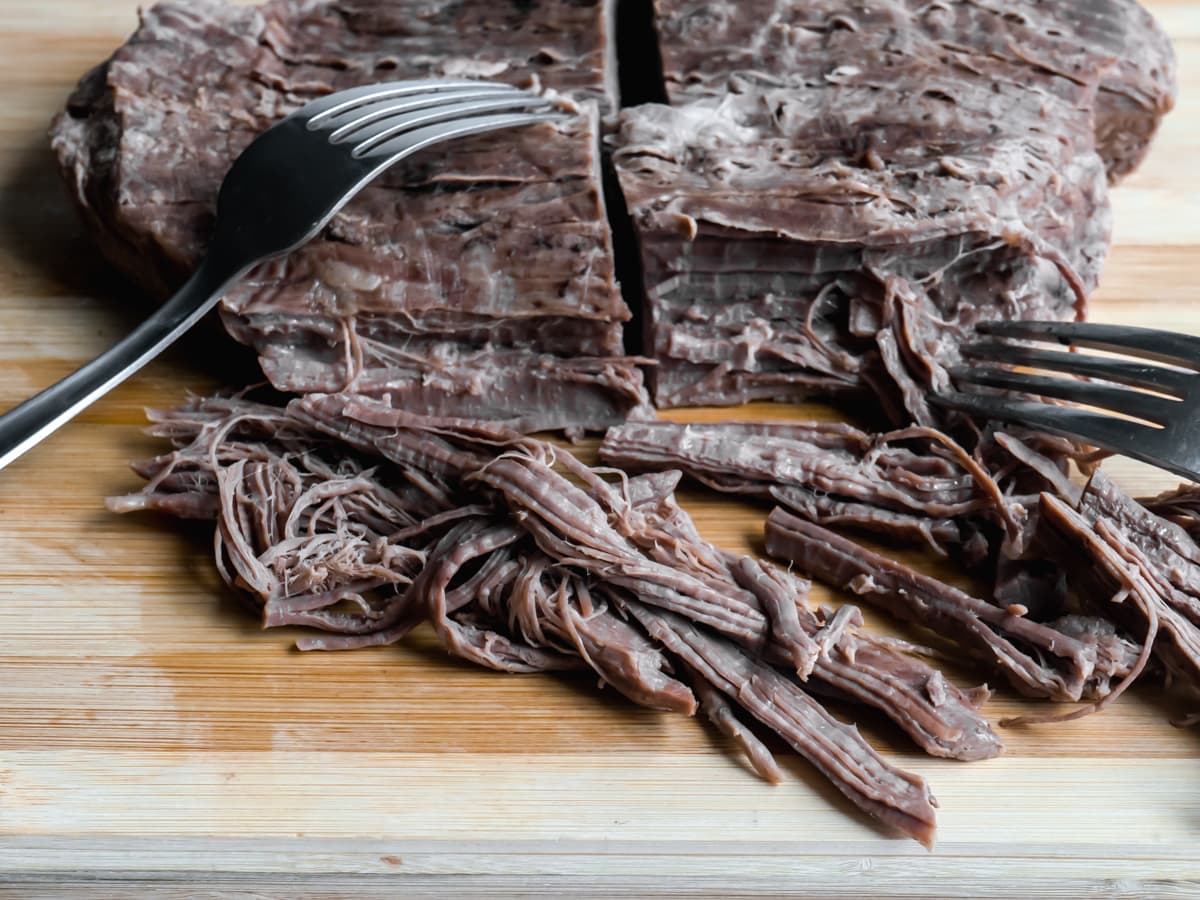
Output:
x=476 y=281
x=1037 y=628
x=1036 y=659
x=1138 y=569
x=839 y=191
x=360 y=521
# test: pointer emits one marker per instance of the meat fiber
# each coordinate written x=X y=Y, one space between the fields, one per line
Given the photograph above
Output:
x=359 y=521
x=475 y=281
x=1036 y=659
x=1003 y=510
x=1138 y=569
x=840 y=190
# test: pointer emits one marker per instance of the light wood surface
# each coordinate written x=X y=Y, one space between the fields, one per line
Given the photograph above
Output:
x=154 y=741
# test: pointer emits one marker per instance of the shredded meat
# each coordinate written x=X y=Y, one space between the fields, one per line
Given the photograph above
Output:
x=358 y=521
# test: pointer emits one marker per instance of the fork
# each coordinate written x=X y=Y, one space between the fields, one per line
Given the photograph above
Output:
x=277 y=196
x=1158 y=409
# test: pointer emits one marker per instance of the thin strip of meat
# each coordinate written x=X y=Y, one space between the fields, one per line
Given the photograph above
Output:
x=1062 y=668
x=850 y=665
x=830 y=473
x=900 y=799
x=721 y=714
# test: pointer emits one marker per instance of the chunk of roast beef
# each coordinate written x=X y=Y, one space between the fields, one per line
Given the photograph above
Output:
x=488 y=262
x=840 y=190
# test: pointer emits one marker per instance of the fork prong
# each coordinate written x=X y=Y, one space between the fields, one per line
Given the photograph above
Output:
x=1147 y=407
x=1106 y=432
x=380 y=132
x=396 y=148
x=1146 y=343
x=346 y=124
x=334 y=104
x=1143 y=375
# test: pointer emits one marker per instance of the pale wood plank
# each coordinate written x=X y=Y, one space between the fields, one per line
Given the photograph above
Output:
x=151 y=735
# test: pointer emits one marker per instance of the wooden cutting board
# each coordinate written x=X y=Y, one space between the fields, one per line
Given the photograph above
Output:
x=154 y=741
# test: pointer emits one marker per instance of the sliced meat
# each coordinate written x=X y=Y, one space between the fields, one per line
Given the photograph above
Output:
x=474 y=281
x=838 y=191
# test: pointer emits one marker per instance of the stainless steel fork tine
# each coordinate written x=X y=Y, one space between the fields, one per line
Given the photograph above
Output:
x=396 y=148
x=1144 y=375
x=1147 y=343
x=380 y=132
x=346 y=123
x=318 y=110
x=1147 y=407
x=1106 y=432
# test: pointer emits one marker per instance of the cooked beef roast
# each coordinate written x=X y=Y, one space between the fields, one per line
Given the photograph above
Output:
x=523 y=559
x=840 y=190
x=474 y=281
x=831 y=195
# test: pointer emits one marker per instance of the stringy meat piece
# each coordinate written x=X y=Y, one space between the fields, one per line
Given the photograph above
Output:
x=1137 y=568
x=359 y=521
x=831 y=473
x=1036 y=659
x=475 y=281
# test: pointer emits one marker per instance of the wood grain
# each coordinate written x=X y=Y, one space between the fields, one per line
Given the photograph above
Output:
x=153 y=741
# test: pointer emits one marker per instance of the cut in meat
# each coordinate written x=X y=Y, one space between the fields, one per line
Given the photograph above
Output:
x=840 y=190
x=486 y=263
x=523 y=559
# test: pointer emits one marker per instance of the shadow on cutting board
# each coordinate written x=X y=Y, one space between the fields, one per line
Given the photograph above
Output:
x=42 y=230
